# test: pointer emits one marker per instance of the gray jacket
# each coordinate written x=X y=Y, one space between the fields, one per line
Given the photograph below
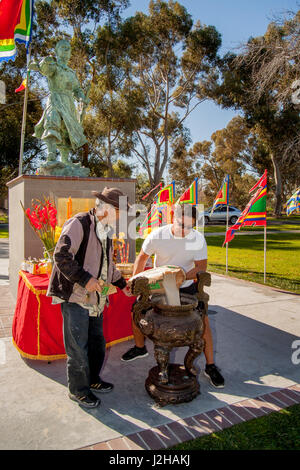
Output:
x=78 y=256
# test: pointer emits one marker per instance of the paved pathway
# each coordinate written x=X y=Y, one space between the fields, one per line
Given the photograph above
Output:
x=7 y=302
x=255 y=330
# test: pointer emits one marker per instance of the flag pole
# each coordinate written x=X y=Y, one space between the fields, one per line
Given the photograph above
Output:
x=227 y=243
x=24 y=114
x=265 y=251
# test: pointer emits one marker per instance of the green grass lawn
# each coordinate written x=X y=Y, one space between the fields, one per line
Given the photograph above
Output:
x=3 y=232
x=276 y=431
x=4 y=219
x=246 y=259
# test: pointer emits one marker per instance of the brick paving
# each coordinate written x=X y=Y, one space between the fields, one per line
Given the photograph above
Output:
x=187 y=429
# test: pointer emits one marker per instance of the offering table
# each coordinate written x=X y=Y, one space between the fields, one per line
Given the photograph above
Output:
x=37 y=324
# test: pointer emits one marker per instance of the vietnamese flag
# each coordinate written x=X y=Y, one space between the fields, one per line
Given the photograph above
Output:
x=190 y=196
x=255 y=213
x=166 y=195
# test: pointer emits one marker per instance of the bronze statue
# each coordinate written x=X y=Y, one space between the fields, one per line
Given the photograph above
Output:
x=60 y=126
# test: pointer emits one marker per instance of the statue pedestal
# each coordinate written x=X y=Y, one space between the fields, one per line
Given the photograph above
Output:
x=63 y=169
x=23 y=242
x=180 y=388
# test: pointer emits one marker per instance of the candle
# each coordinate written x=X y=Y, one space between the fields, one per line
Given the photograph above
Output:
x=69 y=208
x=121 y=256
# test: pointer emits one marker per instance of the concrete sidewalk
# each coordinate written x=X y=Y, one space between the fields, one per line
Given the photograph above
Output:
x=254 y=330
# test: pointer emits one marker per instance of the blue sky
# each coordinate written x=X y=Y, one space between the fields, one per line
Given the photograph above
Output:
x=236 y=21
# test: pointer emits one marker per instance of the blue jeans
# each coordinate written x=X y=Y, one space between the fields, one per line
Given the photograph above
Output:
x=85 y=347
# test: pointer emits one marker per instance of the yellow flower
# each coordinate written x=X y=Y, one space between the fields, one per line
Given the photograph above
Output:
x=57 y=233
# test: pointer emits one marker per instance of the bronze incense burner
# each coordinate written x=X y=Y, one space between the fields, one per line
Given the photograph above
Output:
x=169 y=327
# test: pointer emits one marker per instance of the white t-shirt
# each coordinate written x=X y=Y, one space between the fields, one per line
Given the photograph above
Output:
x=176 y=251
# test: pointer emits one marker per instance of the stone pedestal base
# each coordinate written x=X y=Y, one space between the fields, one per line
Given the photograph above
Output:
x=62 y=169
x=23 y=241
x=181 y=387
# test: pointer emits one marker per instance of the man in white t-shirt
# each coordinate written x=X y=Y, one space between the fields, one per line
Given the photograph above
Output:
x=180 y=245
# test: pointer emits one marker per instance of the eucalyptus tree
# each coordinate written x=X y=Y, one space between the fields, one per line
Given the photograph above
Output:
x=258 y=82
x=171 y=57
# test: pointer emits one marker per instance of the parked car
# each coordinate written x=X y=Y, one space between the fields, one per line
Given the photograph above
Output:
x=220 y=214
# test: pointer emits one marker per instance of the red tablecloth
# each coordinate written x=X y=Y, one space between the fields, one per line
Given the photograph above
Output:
x=37 y=324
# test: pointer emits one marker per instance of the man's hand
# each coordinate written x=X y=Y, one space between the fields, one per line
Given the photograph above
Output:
x=94 y=285
x=200 y=266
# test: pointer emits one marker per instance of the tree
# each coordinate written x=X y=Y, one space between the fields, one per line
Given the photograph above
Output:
x=142 y=188
x=11 y=113
x=182 y=163
x=226 y=153
x=168 y=80
x=78 y=20
x=115 y=100
x=255 y=82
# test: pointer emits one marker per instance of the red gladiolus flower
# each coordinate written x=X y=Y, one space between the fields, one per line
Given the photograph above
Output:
x=43 y=220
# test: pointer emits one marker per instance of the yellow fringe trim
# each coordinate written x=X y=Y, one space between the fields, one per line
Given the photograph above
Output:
x=39 y=356
x=30 y=286
x=37 y=293
x=60 y=356
x=112 y=343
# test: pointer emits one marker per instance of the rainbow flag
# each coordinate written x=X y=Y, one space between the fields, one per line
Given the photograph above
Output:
x=190 y=196
x=293 y=204
x=166 y=195
x=15 y=26
x=160 y=212
x=222 y=198
x=155 y=218
x=255 y=213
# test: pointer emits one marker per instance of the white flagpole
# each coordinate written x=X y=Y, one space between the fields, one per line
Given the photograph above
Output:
x=24 y=114
x=227 y=243
x=265 y=252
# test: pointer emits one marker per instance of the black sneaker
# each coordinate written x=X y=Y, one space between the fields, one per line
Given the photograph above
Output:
x=102 y=387
x=134 y=353
x=215 y=378
x=87 y=401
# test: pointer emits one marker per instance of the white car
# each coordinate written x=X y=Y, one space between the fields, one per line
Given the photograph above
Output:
x=220 y=214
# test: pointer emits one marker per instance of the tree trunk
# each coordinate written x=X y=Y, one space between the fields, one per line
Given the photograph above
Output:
x=278 y=183
x=108 y=156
